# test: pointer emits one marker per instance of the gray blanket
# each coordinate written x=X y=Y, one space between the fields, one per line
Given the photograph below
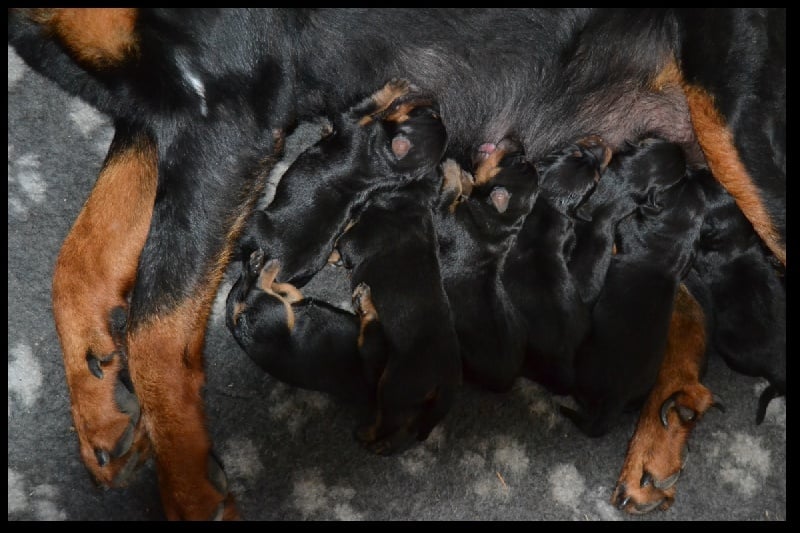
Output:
x=289 y=454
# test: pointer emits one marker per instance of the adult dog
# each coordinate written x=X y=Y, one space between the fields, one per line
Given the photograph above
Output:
x=201 y=100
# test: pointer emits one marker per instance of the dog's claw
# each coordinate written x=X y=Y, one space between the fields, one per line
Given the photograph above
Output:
x=102 y=456
x=124 y=443
x=623 y=503
x=95 y=363
x=665 y=407
x=686 y=414
x=94 y=366
x=218 y=514
x=125 y=398
x=667 y=482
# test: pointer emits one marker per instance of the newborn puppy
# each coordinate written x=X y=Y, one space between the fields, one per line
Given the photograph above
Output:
x=536 y=274
x=305 y=342
x=618 y=362
x=477 y=220
x=747 y=294
x=366 y=150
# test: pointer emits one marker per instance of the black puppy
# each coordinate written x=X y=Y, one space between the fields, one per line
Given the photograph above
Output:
x=747 y=294
x=477 y=221
x=536 y=274
x=305 y=342
x=618 y=362
x=365 y=150
x=370 y=185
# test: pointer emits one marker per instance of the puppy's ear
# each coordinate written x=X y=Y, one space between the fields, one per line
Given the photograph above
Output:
x=401 y=146
x=500 y=198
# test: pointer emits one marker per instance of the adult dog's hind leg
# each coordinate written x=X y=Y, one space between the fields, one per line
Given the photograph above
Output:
x=94 y=273
x=180 y=269
x=656 y=452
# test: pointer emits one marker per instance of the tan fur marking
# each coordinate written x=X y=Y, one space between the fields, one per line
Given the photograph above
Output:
x=267 y=276
x=266 y=282
x=99 y=37
x=366 y=310
x=723 y=160
x=167 y=370
x=384 y=97
x=94 y=273
x=168 y=374
x=400 y=113
x=335 y=257
x=488 y=168
x=456 y=182
x=670 y=76
x=451 y=177
x=287 y=292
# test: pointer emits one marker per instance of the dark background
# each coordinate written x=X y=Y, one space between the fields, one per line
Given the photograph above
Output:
x=288 y=453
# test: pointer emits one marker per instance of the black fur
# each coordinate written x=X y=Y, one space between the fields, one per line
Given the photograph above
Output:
x=214 y=88
x=747 y=294
x=475 y=236
x=374 y=207
x=536 y=274
x=659 y=210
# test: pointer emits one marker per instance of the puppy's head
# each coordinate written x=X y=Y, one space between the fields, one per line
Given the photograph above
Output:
x=493 y=203
x=636 y=177
x=569 y=176
x=408 y=135
x=506 y=183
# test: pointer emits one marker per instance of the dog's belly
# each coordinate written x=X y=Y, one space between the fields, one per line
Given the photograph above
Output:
x=547 y=78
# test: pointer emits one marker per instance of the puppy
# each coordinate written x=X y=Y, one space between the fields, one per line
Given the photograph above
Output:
x=747 y=294
x=366 y=149
x=618 y=362
x=477 y=221
x=371 y=184
x=305 y=342
x=536 y=274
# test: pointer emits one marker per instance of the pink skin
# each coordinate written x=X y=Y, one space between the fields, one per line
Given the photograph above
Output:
x=486 y=149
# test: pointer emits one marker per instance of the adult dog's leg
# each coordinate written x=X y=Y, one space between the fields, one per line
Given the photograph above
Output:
x=656 y=452
x=196 y=218
x=94 y=274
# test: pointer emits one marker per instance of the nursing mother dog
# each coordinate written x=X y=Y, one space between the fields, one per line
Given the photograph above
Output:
x=201 y=101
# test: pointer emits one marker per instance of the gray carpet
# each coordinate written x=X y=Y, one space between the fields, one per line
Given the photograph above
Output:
x=288 y=453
